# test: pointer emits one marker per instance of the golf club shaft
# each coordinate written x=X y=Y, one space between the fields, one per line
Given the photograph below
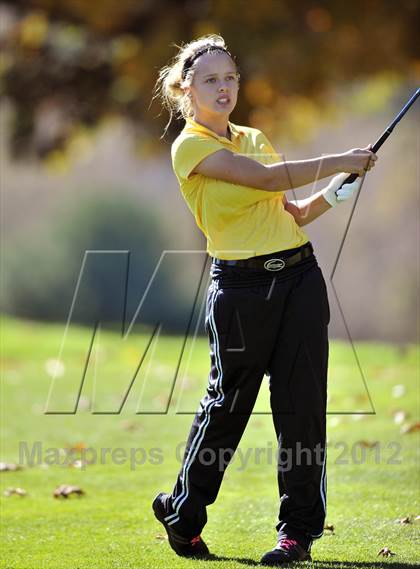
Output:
x=385 y=134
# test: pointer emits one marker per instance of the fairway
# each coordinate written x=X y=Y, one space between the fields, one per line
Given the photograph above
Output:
x=373 y=461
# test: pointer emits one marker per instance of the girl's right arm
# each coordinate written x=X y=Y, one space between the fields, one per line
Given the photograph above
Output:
x=281 y=176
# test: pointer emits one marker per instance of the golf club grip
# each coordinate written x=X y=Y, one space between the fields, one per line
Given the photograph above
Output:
x=350 y=178
x=374 y=148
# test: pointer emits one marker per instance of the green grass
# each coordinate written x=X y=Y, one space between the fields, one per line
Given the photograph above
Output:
x=112 y=526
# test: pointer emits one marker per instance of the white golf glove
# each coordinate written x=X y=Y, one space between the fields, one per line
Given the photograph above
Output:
x=343 y=193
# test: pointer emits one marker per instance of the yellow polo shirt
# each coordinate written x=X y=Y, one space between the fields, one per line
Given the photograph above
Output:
x=238 y=221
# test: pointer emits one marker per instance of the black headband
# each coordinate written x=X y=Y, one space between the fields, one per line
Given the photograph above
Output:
x=188 y=63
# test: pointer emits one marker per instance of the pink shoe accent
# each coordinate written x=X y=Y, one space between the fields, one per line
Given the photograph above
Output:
x=286 y=544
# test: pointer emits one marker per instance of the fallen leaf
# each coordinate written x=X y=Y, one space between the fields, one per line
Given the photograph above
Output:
x=131 y=426
x=64 y=491
x=54 y=368
x=329 y=527
x=18 y=491
x=334 y=421
x=161 y=537
x=398 y=391
x=400 y=417
x=410 y=428
x=404 y=521
x=79 y=446
x=84 y=404
x=361 y=397
x=368 y=444
x=78 y=464
x=358 y=417
x=386 y=552
x=5 y=466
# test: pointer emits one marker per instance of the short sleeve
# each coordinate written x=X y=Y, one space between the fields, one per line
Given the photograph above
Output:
x=272 y=155
x=189 y=151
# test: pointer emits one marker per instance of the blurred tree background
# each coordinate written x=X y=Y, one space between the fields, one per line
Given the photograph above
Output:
x=79 y=128
x=68 y=64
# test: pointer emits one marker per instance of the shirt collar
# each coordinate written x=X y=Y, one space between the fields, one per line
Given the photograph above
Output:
x=192 y=126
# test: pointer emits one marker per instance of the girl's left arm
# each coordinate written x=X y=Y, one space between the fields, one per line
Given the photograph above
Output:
x=306 y=210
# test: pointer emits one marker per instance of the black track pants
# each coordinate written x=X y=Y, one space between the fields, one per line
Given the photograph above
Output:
x=258 y=323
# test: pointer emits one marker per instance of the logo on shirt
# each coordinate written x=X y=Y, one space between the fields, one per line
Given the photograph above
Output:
x=274 y=264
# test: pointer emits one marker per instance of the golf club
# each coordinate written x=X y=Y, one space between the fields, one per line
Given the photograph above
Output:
x=385 y=134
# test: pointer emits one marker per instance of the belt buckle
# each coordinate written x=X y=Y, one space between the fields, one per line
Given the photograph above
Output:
x=274 y=264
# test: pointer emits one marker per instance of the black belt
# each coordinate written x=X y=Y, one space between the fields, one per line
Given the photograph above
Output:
x=270 y=262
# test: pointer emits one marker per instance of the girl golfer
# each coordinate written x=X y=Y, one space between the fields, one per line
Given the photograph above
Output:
x=267 y=307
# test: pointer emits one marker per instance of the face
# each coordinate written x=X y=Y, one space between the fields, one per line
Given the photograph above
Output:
x=215 y=84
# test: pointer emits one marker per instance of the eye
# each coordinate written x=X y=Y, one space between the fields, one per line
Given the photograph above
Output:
x=210 y=80
x=231 y=77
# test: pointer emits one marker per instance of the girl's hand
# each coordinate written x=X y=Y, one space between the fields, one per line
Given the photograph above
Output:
x=344 y=193
x=358 y=160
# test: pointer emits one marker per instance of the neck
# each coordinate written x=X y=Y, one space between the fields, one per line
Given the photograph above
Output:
x=218 y=124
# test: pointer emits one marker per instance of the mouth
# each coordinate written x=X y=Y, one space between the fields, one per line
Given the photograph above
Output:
x=223 y=100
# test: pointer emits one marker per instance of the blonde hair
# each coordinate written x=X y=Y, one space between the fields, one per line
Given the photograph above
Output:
x=173 y=77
